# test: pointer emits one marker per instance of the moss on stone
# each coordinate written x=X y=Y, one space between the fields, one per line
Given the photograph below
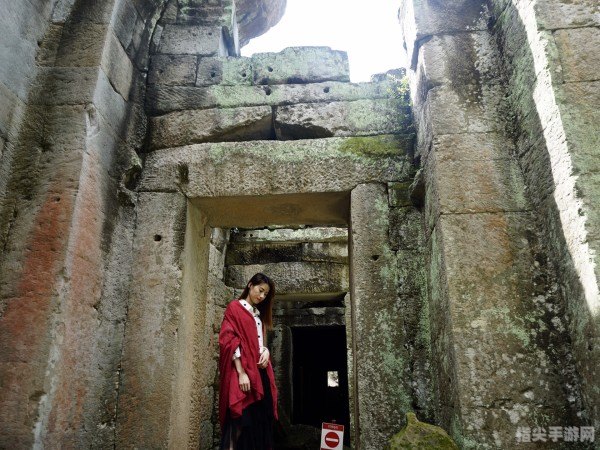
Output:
x=373 y=146
x=421 y=435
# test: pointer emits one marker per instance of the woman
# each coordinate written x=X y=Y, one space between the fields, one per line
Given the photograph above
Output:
x=247 y=396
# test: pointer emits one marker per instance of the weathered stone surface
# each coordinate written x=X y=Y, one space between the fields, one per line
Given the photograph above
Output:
x=276 y=167
x=224 y=71
x=579 y=56
x=429 y=18
x=418 y=435
x=149 y=354
x=117 y=66
x=294 y=277
x=191 y=40
x=297 y=65
x=263 y=253
x=286 y=235
x=326 y=252
x=357 y=118
x=399 y=194
x=255 y=20
x=558 y=14
x=178 y=70
x=216 y=125
x=166 y=99
x=380 y=361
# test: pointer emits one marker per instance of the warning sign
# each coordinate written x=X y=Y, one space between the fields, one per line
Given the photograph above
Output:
x=332 y=436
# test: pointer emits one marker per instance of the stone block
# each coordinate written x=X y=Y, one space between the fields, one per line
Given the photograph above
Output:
x=288 y=235
x=219 y=237
x=191 y=40
x=210 y=125
x=579 y=55
x=421 y=19
x=178 y=70
x=278 y=167
x=588 y=189
x=405 y=229
x=472 y=147
x=117 y=66
x=357 y=118
x=580 y=120
x=458 y=187
x=227 y=71
x=46 y=56
x=296 y=65
x=399 y=194
x=263 y=253
x=469 y=109
x=380 y=361
x=294 y=277
x=124 y=23
x=82 y=44
x=154 y=312
x=65 y=85
x=558 y=14
x=165 y=99
x=325 y=252
x=465 y=59
x=216 y=262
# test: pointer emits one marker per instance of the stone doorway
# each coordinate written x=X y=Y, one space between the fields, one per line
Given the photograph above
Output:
x=320 y=377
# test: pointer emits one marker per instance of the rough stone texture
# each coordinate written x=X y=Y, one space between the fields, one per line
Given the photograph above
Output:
x=311 y=278
x=476 y=193
x=179 y=70
x=228 y=71
x=357 y=118
x=322 y=165
x=191 y=40
x=255 y=20
x=234 y=124
x=173 y=98
x=380 y=358
x=556 y=129
x=285 y=235
x=418 y=434
x=297 y=65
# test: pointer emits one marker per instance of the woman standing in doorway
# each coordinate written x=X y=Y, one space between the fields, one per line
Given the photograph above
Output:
x=247 y=395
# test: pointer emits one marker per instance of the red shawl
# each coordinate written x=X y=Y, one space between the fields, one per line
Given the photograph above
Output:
x=239 y=329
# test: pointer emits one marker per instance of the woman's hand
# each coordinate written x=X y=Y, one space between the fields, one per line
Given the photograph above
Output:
x=244 y=381
x=263 y=361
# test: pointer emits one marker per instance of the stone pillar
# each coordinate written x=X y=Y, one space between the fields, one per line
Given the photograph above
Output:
x=497 y=328
x=380 y=381
x=552 y=62
x=163 y=358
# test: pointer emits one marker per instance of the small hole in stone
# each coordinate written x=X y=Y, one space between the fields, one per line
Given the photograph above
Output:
x=157 y=238
x=212 y=74
x=590 y=347
x=270 y=69
x=210 y=33
x=375 y=257
x=57 y=199
x=268 y=91
x=326 y=90
x=244 y=74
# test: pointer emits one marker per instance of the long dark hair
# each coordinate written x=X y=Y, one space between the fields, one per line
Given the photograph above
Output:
x=266 y=306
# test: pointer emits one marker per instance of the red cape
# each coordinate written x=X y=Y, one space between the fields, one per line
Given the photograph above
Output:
x=239 y=329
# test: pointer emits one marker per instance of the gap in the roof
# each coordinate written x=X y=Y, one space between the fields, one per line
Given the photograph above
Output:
x=368 y=30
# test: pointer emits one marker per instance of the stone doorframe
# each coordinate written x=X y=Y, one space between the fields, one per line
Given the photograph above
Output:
x=168 y=354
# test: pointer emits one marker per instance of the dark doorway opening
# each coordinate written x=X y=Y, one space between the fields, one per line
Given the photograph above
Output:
x=320 y=377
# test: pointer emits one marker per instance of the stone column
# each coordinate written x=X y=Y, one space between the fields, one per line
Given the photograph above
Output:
x=552 y=62
x=381 y=395
x=497 y=328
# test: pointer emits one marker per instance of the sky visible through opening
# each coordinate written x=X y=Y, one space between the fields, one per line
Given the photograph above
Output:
x=367 y=29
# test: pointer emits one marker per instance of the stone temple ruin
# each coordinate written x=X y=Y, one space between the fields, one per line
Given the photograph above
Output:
x=434 y=238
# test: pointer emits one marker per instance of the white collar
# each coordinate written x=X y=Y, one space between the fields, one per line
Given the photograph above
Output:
x=250 y=308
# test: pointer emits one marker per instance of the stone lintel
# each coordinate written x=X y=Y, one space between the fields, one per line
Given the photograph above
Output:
x=164 y=99
x=278 y=167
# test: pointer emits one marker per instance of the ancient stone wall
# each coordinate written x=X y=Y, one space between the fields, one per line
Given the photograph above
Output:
x=510 y=285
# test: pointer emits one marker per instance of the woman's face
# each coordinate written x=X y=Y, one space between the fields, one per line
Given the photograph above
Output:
x=257 y=293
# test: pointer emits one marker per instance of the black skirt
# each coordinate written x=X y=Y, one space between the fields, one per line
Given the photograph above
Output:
x=254 y=430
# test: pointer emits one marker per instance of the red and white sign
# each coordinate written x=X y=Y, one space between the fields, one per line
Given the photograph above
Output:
x=332 y=436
